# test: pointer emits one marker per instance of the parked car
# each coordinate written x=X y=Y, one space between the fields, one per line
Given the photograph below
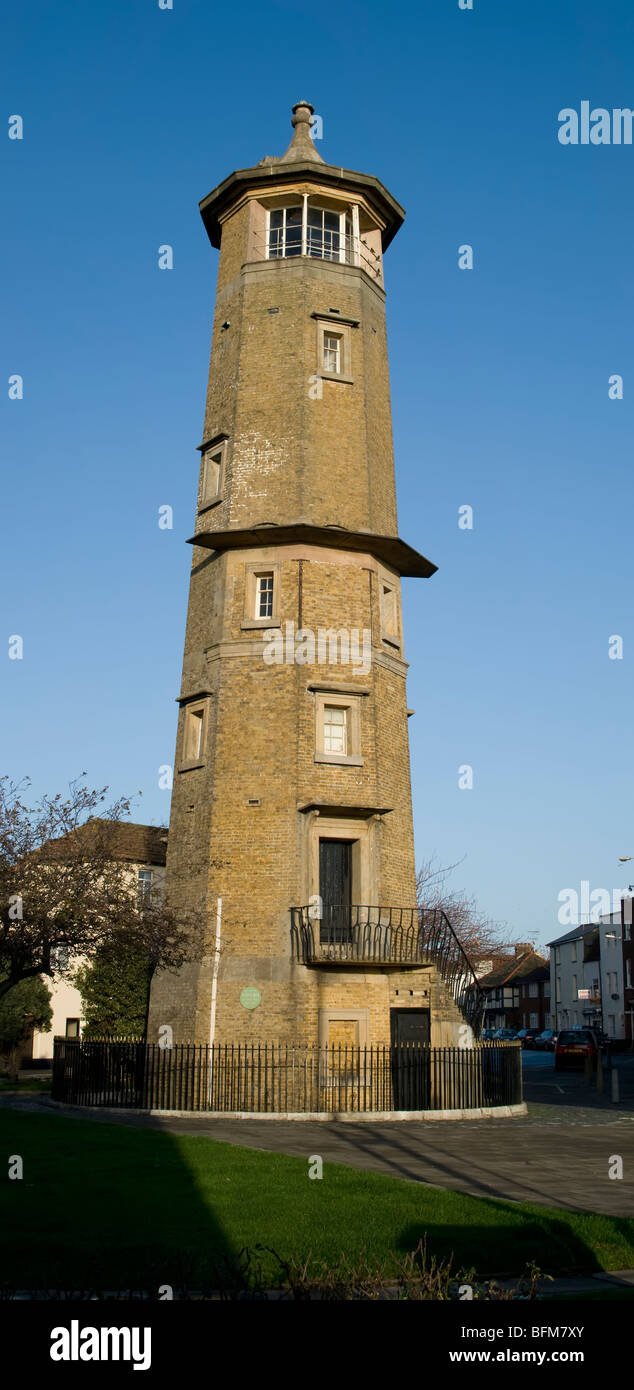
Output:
x=488 y=1034
x=574 y=1045
x=546 y=1040
x=505 y=1035
x=527 y=1036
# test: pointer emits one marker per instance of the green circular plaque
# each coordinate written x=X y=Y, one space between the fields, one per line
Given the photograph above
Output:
x=250 y=997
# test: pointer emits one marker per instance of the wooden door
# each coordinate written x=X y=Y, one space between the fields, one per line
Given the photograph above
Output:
x=411 y=1060
x=335 y=889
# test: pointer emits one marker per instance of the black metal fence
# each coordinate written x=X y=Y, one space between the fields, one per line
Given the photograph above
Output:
x=394 y=936
x=272 y=1078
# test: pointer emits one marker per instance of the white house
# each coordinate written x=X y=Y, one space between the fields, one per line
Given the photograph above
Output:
x=587 y=983
x=144 y=848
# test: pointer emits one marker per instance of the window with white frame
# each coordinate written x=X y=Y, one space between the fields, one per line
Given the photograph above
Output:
x=325 y=233
x=336 y=729
x=334 y=349
x=285 y=232
x=628 y=973
x=332 y=353
x=573 y=951
x=307 y=230
x=533 y=990
x=534 y=1021
x=264 y=595
x=262 y=588
x=144 y=884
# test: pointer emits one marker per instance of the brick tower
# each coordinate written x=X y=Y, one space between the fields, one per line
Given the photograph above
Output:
x=291 y=799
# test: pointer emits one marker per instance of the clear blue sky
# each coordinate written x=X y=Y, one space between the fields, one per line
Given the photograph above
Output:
x=499 y=391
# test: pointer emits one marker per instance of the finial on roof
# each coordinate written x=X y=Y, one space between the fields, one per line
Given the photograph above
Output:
x=302 y=145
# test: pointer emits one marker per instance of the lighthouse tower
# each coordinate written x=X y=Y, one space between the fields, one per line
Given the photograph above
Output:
x=291 y=823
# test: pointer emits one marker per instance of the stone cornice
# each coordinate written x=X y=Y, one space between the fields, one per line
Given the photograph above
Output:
x=390 y=549
x=383 y=204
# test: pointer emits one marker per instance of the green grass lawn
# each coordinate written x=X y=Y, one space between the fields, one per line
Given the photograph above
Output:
x=111 y=1207
x=30 y=1083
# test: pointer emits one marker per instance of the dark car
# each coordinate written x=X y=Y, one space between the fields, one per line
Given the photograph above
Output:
x=545 y=1040
x=488 y=1034
x=505 y=1035
x=527 y=1036
x=574 y=1046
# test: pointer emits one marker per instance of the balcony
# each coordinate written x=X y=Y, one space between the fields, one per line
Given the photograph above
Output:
x=388 y=938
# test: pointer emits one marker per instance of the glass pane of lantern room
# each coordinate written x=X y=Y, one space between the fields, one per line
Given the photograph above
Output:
x=293 y=242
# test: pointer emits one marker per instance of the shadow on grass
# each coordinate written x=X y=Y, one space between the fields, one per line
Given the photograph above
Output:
x=544 y=1240
x=100 y=1209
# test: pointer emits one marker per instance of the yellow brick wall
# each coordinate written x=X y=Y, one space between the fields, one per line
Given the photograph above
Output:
x=324 y=461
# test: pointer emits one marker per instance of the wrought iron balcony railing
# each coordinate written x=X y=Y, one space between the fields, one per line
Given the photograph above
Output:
x=399 y=937
x=332 y=246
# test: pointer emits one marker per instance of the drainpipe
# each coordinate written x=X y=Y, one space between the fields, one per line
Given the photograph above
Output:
x=214 y=978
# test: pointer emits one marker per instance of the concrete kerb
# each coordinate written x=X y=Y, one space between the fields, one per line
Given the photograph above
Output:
x=489 y=1112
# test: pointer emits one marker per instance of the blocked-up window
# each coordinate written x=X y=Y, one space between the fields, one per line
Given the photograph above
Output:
x=194 y=733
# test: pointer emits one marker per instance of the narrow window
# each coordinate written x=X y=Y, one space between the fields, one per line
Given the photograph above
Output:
x=264 y=596
x=72 y=1027
x=332 y=352
x=335 y=729
x=144 y=885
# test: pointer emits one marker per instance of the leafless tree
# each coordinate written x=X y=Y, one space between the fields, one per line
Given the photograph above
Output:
x=481 y=938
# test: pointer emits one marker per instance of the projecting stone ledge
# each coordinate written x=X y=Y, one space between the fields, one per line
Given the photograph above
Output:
x=391 y=549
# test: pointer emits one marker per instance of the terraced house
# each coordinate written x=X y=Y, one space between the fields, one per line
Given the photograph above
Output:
x=291 y=813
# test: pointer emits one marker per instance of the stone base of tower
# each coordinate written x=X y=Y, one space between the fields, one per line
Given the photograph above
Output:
x=277 y=1000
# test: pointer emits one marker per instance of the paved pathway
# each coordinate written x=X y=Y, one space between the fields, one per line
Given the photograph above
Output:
x=536 y=1159
x=559 y=1156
